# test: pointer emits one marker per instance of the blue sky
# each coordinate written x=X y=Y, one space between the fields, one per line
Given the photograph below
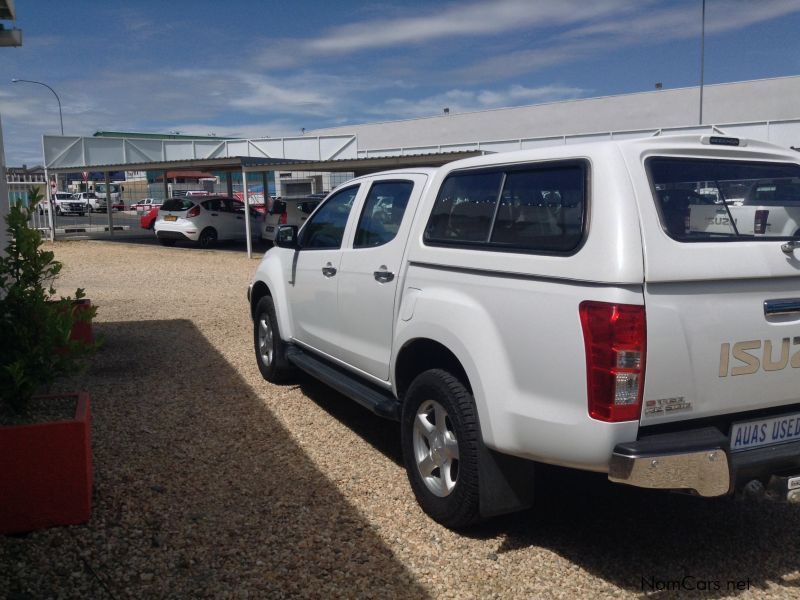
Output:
x=251 y=69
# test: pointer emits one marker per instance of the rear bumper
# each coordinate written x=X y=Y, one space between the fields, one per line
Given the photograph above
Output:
x=699 y=461
x=174 y=235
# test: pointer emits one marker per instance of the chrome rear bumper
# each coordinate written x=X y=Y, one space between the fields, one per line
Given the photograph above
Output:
x=700 y=461
x=694 y=460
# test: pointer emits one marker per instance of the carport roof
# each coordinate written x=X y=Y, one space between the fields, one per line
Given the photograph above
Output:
x=257 y=164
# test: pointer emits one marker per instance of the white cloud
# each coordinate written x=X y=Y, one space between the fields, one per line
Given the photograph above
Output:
x=620 y=31
x=465 y=19
x=678 y=22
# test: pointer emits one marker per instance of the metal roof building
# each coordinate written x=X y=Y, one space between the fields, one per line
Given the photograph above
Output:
x=757 y=102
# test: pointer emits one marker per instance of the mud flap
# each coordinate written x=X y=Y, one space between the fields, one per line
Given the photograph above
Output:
x=506 y=482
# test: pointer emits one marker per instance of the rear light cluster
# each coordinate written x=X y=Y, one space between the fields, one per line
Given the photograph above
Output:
x=193 y=212
x=615 y=338
x=760 y=224
x=283 y=219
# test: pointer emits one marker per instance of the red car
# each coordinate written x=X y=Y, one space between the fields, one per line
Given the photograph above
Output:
x=147 y=221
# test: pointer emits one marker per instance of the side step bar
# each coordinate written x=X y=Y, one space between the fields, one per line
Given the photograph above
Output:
x=381 y=403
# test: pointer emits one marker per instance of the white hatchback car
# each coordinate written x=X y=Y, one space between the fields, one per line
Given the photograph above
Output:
x=204 y=221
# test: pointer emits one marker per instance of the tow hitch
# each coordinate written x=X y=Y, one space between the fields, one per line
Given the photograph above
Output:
x=781 y=488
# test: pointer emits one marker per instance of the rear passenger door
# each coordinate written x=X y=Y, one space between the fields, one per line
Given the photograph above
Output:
x=369 y=270
x=214 y=216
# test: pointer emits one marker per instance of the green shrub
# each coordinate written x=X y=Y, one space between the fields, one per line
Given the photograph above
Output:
x=35 y=349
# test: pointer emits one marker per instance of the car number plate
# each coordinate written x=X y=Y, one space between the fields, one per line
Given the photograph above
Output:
x=170 y=218
x=765 y=432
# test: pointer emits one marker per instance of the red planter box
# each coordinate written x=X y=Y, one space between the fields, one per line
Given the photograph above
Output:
x=46 y=472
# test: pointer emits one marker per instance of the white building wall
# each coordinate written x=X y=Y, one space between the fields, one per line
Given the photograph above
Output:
x=759 y=100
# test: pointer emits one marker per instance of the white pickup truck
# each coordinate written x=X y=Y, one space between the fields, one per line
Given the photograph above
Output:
x=771 y=207
x=67 y=203
x=551 y=306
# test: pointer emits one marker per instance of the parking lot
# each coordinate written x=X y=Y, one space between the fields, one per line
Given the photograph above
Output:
x=211 y=482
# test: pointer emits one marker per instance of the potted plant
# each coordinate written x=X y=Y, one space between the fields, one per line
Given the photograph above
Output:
x=45 y=450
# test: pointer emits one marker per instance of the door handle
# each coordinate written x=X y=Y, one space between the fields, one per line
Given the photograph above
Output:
x=329 y=270
x=778 y=308
x=383 y=276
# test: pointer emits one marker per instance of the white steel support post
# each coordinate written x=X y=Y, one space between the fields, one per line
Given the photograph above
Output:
x=5 y=204
x=247 y=214
x=109 y=209
x=50 y=207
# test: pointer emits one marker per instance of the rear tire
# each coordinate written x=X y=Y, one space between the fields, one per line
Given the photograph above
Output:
x=166 y=242
x=208 y=238
x=440 y=437
x=270 y=349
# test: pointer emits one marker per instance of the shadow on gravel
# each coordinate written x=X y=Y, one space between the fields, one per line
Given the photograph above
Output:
x=657 y=543
x=382 y=434
x=199 y=491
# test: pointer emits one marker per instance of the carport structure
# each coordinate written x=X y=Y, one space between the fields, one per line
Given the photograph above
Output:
x=69 y=154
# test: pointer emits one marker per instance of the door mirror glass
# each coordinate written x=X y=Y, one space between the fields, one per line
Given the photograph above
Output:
x=286 y=236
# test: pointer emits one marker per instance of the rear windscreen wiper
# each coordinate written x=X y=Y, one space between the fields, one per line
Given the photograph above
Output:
x=728 y=210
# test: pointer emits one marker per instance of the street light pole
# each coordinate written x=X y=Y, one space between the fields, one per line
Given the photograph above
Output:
x=60 y=117
x=702 y=56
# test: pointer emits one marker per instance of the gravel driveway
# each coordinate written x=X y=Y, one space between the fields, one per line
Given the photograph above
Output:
x=210 y=482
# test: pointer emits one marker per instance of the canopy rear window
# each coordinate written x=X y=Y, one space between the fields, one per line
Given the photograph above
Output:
x=537 y=208
x=726 y=200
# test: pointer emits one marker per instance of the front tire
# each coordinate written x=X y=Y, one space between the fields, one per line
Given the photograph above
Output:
x=440 y=439
x=269 y=347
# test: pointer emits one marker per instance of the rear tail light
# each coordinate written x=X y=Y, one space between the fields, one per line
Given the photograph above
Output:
x=615 y=338
x=193 y=212
x=760 y=225
x=284 y=219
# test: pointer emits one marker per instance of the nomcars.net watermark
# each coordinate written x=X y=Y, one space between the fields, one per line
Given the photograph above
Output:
x=690 y=583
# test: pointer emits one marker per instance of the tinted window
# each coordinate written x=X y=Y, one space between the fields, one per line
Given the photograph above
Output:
x=326 y=227
x=213 y=205
x=382 y=214
x=308 y=207
x=464 y=208
x=706 y=199
x=177 y=204
x=541 y=209
x=533 y=209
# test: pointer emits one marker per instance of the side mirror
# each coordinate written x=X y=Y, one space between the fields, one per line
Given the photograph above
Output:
x=286 y=237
